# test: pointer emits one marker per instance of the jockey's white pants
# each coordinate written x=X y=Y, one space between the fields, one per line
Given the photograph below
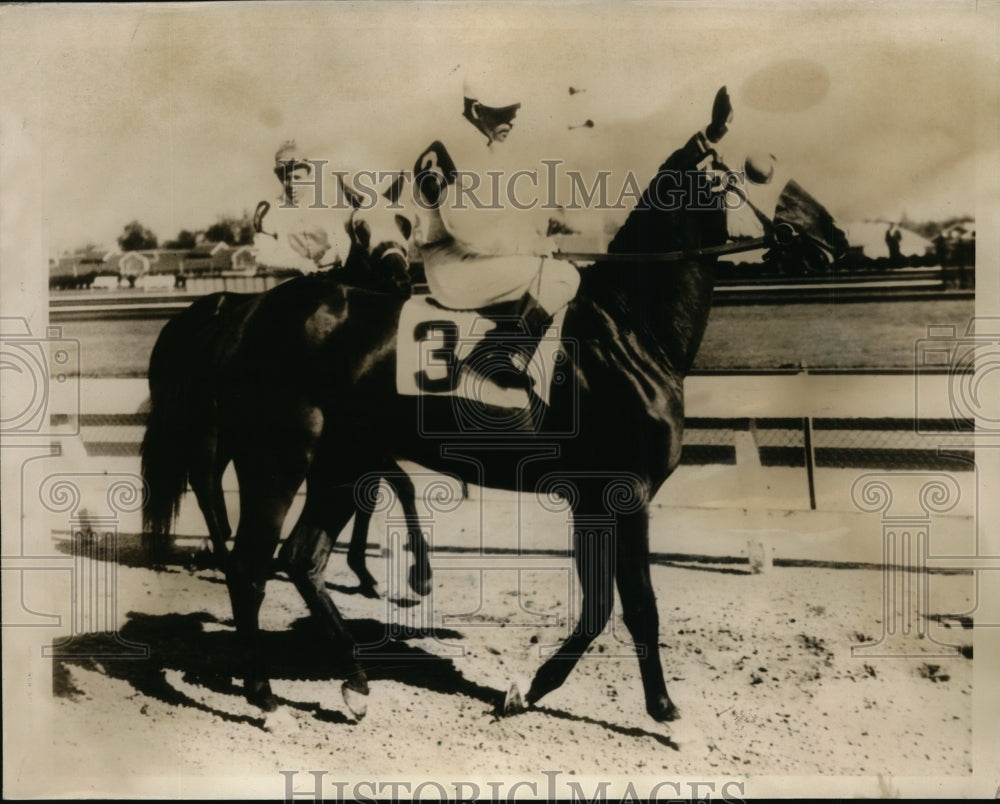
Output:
x=475 y=282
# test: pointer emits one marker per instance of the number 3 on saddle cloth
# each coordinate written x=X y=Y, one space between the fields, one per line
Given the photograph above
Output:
x=473 y=354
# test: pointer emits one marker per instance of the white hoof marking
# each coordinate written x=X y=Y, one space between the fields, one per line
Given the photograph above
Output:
x=356 y=702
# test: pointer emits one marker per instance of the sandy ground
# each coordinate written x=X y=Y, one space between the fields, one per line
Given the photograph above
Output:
x=760 y=665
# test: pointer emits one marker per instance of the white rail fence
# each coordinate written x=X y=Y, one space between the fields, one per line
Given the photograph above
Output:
x=762 y=453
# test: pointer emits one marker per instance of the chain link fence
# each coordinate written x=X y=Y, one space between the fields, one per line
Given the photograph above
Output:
x=877 y=443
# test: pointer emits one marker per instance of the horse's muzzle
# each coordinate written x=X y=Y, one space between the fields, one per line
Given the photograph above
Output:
x=391 y=265
x=392 y=258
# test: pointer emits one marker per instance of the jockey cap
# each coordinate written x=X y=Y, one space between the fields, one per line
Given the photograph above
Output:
x=291 y=156
x=490 y=92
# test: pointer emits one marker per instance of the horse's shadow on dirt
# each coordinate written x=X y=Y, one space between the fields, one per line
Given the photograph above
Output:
x=209 y=660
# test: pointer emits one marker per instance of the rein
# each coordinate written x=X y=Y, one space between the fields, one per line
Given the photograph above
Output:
x=679 y=256
x=665 y=256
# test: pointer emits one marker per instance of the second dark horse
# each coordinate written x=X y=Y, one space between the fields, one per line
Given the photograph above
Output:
x=185 y=440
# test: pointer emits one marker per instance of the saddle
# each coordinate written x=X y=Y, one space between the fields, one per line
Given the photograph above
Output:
x=504 y=355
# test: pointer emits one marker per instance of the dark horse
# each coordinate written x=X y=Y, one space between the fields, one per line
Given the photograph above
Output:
x=184 y=442
x=311 y=395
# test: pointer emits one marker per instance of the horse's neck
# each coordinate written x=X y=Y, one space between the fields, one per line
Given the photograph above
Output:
x=660 y=308
x=682 y=315
x=665 y=304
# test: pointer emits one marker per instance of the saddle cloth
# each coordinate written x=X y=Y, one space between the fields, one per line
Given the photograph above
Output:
x=432 y=343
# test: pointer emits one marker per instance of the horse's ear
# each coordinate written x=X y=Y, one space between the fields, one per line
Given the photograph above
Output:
x=395 y=189
x=354 y=198
x=405 y=227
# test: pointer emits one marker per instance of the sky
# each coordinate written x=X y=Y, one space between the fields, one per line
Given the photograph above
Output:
x=171 y=114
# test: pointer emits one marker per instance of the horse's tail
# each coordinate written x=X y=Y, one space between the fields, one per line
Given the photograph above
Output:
x=181 y=443
x=164 y=448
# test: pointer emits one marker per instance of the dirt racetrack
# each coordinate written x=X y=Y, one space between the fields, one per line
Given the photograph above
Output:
x=760 y=666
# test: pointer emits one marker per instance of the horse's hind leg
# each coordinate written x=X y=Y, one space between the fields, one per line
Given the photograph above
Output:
x=420 y=570
x=635 y=589
x=208 y=464
x=594 y=554
x=304 y=556
x=356 y=558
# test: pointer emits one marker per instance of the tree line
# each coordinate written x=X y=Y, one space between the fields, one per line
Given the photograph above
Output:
x=233 y=231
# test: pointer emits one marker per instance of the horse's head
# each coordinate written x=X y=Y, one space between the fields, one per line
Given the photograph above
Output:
x=380 y=228
x=806 y=237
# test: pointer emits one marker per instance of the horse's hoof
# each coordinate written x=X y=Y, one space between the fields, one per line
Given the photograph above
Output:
x=514 y=702
x=420 y=582
x=356 y=701
x=369 y=590
x=281 y=721
x=664 y=710
x=202 y=559
x=260 y=695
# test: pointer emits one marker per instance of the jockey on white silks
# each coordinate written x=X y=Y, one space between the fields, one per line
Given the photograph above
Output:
x=486 y=251
x=292 y=233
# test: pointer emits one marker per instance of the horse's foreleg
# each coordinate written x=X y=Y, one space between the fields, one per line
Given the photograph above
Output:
x=247 y=573
x=635 y=589
x=595 y=566
x=270 y=471
x=305 y=555
x=420 y=571
x=264 y=504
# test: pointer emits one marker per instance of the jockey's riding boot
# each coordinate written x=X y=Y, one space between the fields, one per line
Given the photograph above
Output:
x=503 y=354
x=495 y=355
x=537 y=321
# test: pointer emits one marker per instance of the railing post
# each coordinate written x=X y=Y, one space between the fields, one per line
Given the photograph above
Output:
x=810 y=460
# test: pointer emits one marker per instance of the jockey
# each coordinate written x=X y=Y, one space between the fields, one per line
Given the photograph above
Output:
x=488 y=256
x=291 y=234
